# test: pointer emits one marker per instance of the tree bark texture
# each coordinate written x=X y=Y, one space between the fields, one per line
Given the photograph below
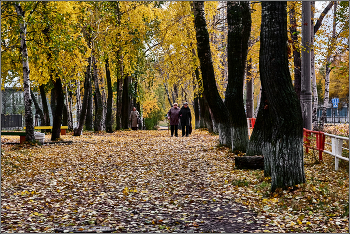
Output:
x=87 y=83
x=109 y=119
x=239 y=26
x=78 y=100
x=69 y=105
x=249 y=162
x=286 y=153
x=204 y=115
x=125 y=103
x=119 y=104
x=250 y=91
x=28 y=115
x=216 y=105
x=46 y=113
x=196 y=112
x=296 y=50
x=97 y=98
x=89 y=121
x=57 y=116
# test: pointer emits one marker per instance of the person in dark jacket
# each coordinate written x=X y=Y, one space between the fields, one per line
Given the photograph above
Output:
x=185 y=117
x=173 y=116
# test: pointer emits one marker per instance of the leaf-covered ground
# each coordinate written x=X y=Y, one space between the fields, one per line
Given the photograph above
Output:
x=145 y=181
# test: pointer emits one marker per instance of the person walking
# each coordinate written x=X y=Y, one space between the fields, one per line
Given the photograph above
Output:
x=173 y=116
x=185 y=116
x=134 y=116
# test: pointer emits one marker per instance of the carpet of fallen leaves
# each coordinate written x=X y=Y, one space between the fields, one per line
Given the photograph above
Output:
x=145 y=181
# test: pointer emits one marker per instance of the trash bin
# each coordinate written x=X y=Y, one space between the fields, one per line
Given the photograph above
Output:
x=39 y=137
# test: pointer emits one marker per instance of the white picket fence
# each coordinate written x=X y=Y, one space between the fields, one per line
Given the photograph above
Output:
x=337 y=148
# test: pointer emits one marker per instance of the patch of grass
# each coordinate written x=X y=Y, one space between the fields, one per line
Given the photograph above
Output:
x=240 y=183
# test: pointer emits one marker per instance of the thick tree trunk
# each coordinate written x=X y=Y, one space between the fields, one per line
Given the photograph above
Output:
x=28 y=115
x=109 y=119
x=87 y=84
x=65 y=115
x=125 y=103
x=37 y=108
x=239 y=26
x=250 y=91
x=46 y=113
x=217 y=106
x=296 y=50
x=97 y=99
x=286 y=154
x=204 y=115
x=57 y=115
x=53 y=100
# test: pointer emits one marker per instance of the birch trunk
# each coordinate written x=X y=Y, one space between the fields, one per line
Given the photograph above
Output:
x=28 y=115
x=216 y=105
x=286 y=152
x=69 y=108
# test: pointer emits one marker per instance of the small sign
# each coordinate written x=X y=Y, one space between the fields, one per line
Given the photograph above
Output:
x=335 y=102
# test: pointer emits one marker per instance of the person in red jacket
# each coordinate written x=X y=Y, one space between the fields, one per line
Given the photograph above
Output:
x=173 y=116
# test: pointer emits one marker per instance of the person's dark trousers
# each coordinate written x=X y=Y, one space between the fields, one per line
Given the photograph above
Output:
x=134 y=128
x=174 y=128
x=187 y=130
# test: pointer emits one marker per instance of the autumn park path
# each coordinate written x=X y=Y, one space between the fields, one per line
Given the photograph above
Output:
x=140 y=181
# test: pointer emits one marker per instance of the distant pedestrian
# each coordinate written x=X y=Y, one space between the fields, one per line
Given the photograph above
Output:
x=173 y=116
x=185 y=117
x=134 y=116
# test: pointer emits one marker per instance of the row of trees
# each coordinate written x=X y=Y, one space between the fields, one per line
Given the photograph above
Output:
x=98 y=59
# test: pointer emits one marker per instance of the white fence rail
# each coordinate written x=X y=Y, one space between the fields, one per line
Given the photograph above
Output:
x=337 y=148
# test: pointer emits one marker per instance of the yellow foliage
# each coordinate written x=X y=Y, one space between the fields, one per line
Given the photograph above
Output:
x=149 y=106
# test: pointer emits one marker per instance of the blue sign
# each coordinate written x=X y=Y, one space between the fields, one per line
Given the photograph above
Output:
x=335 y=102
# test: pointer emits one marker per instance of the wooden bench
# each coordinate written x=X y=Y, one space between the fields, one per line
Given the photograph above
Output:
x=22 y=135
x=63 y=128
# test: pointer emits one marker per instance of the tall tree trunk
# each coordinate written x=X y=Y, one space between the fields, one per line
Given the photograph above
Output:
x=69 y=107
x=286 y=154
x=250 y=91
x=175 y=93
x=217 y=106
x=89 y=112
x=46 y=112
x=239 y=26
x=87 y=84
x=97 y=99
x=53 y=100
x=306 y=94
x=78 y=100
x=260 y=140
x=296 y=49
x=119 y=104
x=125 y=103
x=57 y=115
x=328 y=70
x=196 y=113
x=109 y=119
x=65 y=115
x=28 y=115
x=37 y=108
x=167 y=93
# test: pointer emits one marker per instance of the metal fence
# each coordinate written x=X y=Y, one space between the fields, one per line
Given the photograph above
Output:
x=11 y=121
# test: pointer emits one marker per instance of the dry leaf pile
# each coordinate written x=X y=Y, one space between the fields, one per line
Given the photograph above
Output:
x=145 y=181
